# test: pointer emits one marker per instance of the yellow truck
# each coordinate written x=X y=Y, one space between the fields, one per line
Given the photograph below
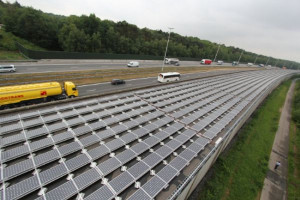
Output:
x=17 y=95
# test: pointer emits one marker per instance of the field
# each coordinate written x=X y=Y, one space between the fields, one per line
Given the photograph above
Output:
x=240 y=172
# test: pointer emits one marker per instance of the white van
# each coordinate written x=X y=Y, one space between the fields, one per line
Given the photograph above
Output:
x=7 y=68
x=133 y=64
x=168 y=77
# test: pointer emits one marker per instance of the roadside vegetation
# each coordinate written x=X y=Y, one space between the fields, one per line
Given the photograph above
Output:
x=104 y=75
x=294 y=149
x=240 y=172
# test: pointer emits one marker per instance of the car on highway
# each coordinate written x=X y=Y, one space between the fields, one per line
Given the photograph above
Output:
x=7 y=68
x=261 y=65
x=168 y=77
x=117 y=81
x=234 y=63
x=249 y=64
x=220 y=62
x=133 y=64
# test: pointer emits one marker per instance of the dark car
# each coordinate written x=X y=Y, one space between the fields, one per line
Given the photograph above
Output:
x=117 y=81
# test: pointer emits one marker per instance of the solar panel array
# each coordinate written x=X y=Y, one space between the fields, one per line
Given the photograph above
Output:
x=134 y=145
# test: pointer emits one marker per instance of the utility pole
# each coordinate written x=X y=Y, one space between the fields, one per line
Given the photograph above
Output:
x=217 y=52
x=162 y=69
x=240 y=57
x=255 y=60
x=276 y=62
x=267 y=61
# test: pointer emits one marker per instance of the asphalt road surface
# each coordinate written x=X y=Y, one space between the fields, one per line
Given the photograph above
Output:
x=43 y=66
x=101 y=88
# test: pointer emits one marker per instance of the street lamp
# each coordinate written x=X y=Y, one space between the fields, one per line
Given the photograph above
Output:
x=267 y=61
x=217 y=52
x=255 y=59
x=240 y=57
x=162 y=69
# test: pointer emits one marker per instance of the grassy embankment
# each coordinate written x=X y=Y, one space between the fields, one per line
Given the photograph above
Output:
x=105 y=75
x=240 y=173
x=294 y=150
x=8 y=50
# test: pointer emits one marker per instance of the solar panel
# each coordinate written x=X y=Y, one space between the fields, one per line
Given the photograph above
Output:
x=69 y=148
x=119 y=128
x=103 y=113
x=151 y=141
x=32 y=133
x=87 y=178
x=173 y=144
x=74 y=121
x=97 y=125
x=114 y=144
x=98 y=152
x=105 y=134
x=46 y=157
x=41 y=144
x=89 y=140
x=14 y=153
x=161 y=135
x=182 y=138
x=167 y=173
x=33 y=122
x=109 y=165
x=129 y=137
x=150 y=127
x=139 y=147
x=90 y=117
x=22 y=188
x=61 y=137
x=56 y=126
x=9 y=118
x=17 y=169
x=138 y=170
x=82 y=130
x=51 y=118
x=140 y=132
x=126 y=156
x=131 y=124
x=53 y=174
x=77 y=162
x=121 y=182
x=63 y=191
x=178 y=163
x=195 y=147
x=152 y=159
x=154 y=186
x=69 y=113
x=103 y=193
x=187 y=155
x=122 y=116
x=7 y=141
x=10 y=128
x=164 y=151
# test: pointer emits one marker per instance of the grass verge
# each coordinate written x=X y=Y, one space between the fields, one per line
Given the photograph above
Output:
x=11 y=55
x=240 y=173
x=294 y=149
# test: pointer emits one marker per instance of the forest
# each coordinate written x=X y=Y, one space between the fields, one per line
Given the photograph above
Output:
x=92 y=34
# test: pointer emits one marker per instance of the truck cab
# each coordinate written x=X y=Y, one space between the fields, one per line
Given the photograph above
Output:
x=70 y=89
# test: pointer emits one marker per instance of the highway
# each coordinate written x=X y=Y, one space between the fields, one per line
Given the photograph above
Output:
x=43 y=66
x=101 y=88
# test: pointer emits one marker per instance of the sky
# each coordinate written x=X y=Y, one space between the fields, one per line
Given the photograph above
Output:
x=266 y=27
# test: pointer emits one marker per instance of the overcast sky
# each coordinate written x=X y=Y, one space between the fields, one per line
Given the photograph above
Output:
x=267 y=27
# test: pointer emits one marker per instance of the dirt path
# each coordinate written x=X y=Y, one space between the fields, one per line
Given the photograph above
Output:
x=275 y=184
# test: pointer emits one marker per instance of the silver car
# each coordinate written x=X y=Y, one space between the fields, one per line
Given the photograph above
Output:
x=7 y=68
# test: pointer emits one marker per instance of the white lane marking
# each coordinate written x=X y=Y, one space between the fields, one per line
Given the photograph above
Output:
x=91 y=90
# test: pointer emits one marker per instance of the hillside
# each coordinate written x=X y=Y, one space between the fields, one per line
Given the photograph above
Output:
x=95 y=35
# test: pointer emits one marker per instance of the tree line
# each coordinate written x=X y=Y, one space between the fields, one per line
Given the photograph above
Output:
x=92 y=34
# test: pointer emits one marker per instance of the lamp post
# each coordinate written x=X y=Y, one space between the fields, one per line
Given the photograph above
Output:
x=267 y=61
x=162 y=69
x=240 y=57
x=255 y=59
x=217 y=52
x=276 y=62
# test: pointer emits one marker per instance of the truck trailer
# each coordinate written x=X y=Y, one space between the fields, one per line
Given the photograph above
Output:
x=205 y=61
x=17 y=95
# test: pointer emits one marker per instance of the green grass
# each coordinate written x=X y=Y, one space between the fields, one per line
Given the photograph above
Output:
x=8 y=49
x=240 y=173
x=294 y=150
